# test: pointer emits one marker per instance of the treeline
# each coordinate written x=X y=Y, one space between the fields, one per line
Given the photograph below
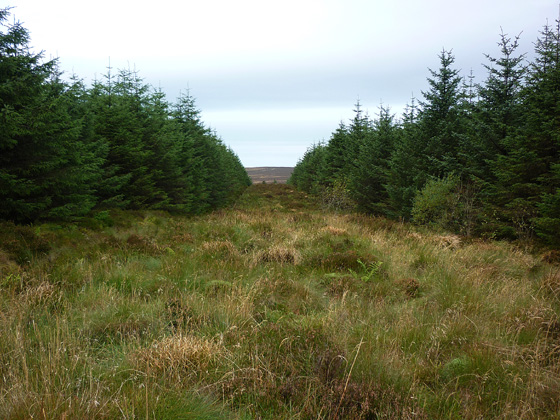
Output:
x=477 y=159
x=66 y=149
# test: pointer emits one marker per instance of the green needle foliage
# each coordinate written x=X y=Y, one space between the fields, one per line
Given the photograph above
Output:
x=48 y=168
x=499 y=141
x=66 y=149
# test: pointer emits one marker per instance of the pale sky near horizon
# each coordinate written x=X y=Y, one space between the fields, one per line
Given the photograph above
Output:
x=274 y=77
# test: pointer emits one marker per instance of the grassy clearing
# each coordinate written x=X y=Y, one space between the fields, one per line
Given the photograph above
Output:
x=274 y=309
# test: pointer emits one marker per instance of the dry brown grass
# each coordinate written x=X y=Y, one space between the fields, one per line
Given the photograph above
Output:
x=277 y=254
x=551 y=283
x=265 y=308
x=179 y=357
x=220 y=248
x=332 y=230
x=410 y=286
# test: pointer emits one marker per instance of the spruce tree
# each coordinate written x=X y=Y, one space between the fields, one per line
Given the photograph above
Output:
x=193 y=152
x=338 y=154
x=235 y=175
x=135 y=141
x=541 y=140
x=163 y=139
x=42 y=149
x=442 y=121
x=105 y=106
x=371 y=173
x=406 y=165
x=309 y=173
x=500 y=108
x=497 y=119
x=72 y=190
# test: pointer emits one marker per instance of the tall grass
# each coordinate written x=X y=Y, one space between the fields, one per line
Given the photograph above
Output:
x=273 y=309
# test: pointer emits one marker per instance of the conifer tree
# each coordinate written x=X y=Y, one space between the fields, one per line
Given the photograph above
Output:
x=163 y=140
x=406 y=173
x=537 y=186
x=371 y=173
x=494 y=150
x=309 y=173
x=499 y=108
x=41 y=145
x=193 y=152
x=337 y=154
x=22 y=77
x=105 y=106
x=235 y=175
x=496 y=120
x=134 y=140
x=65 y=148
x=442 y=121
x=360 y=131
x=73 y=189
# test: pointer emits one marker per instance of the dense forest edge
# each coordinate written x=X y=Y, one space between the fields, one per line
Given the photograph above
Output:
x=67 y=150
x=474 y=159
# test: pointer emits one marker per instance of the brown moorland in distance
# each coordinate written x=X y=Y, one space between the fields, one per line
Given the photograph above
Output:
x=269 y=175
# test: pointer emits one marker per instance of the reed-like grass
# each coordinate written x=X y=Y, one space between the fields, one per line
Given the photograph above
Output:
x=273 y=309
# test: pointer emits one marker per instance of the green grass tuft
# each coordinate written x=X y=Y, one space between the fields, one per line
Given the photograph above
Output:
x=273 y=309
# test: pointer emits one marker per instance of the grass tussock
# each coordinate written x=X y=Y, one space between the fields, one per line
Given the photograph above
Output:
x=177 y=358
x=273 y=309
x=277 y=254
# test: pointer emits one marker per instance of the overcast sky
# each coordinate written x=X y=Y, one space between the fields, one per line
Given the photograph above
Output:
x=273 y=77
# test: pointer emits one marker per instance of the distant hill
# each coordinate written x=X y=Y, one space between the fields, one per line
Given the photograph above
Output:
x=269 y=174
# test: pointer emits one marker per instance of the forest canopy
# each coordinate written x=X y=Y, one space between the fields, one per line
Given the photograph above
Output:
x=66 y=148
x=476 y=159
